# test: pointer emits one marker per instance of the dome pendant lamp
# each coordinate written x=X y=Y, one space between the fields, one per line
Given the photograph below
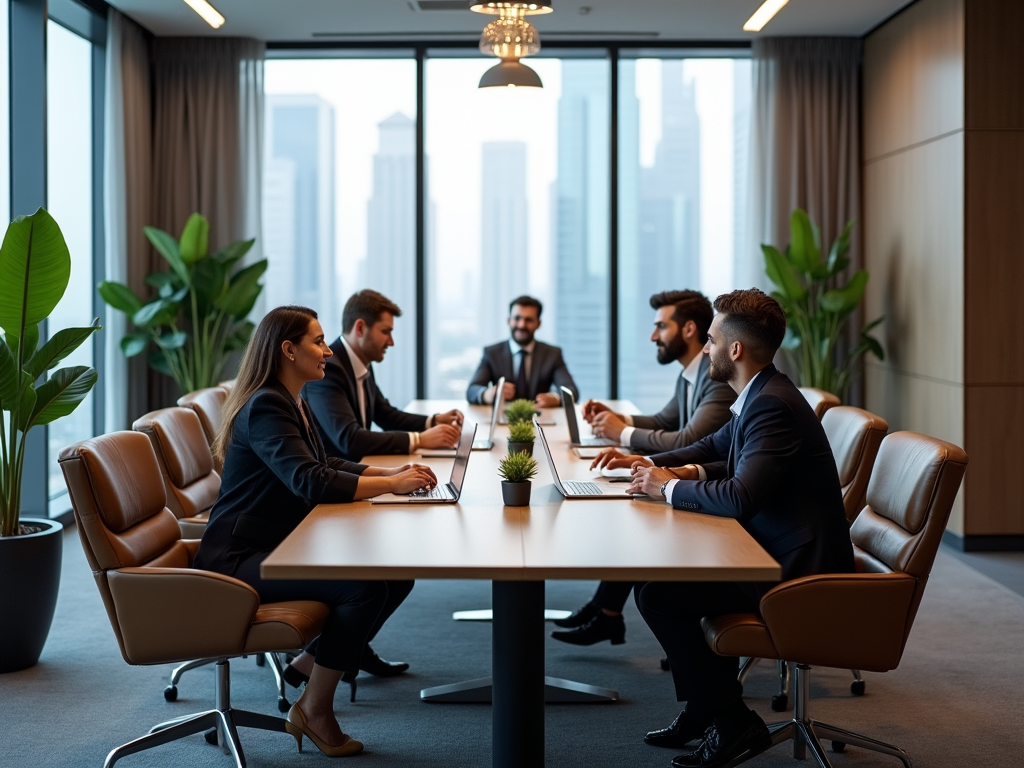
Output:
x=510 y=37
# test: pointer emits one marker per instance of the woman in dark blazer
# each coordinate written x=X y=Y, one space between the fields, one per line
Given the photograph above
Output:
x=275 y=472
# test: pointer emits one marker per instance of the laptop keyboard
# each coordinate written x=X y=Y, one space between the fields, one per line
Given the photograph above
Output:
x=437 y=492
x=583 y=488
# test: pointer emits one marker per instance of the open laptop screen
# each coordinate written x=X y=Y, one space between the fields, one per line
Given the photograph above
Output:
x=547 y=455
x=462 y=456
x=570 y=415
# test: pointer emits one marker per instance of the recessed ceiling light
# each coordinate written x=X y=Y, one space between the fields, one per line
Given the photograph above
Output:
x=210 y=14
x=763 y=15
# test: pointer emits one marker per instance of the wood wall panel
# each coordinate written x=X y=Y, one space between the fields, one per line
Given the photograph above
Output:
x=994 y=65
x=913 y=248
x=914 y=77
x=994 y=262
x=994 y=416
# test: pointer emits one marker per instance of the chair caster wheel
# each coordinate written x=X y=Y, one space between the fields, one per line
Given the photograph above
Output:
x=665 y=666
x=283 y=705
x=857 y=687
x=838 y=746
x=211 y=736
x=779 y=702
x=171 y=693
x=260 y=660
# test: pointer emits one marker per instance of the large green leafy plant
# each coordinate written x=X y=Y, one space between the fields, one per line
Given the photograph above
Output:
x=816 y=313
x=35 y=268
x=198 y=317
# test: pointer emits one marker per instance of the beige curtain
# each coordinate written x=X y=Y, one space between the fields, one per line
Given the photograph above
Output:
x=805 y=149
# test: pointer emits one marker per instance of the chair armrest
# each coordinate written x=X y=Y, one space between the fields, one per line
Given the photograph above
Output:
x=177 y=614
x=849 y=620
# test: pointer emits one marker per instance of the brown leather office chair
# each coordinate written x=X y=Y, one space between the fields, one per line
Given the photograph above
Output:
x=191 y=484
x=162 y=610
x=819 y=400
x=227 y=385
x=895 y=538
x=208 y=404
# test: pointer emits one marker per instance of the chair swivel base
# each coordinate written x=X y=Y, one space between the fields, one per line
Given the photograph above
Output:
x=283 y=705
x=806 y=733
x=223 y=720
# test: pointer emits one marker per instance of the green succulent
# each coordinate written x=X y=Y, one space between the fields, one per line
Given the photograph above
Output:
x=521 y=432
x=519 y=410
x=517 y=467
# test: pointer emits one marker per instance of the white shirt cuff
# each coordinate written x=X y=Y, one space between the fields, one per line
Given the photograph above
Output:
x=414 y=441
x=430 y=423
x=625 y=435
x=628 y=419
x=668 y=490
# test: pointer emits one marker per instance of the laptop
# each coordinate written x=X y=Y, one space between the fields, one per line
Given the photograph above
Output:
x=569 y=402
x=441 y=494
x=575 y=489
x=478 y=445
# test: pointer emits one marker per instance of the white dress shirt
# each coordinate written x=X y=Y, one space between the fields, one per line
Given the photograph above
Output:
x=689 y=373
x=516 y=349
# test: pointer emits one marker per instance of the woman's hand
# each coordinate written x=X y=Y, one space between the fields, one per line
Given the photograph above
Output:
x=412 y=477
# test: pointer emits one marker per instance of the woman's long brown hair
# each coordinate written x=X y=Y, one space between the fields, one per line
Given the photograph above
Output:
x=260 y=363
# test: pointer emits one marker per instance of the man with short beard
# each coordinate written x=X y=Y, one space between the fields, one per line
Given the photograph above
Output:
x=771 y=469
x=700 y=406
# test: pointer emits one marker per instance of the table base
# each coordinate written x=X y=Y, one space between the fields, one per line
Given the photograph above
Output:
x=556 y=691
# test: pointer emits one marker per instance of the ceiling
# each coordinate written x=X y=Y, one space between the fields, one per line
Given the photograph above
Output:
x=640 y=20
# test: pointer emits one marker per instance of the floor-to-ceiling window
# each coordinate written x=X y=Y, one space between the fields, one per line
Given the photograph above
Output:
x=683 y=145
x=5 y=113
x=69 y=182
x=518 y=196
x=339 y=202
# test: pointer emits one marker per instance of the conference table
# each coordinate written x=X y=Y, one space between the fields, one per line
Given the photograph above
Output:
x=517 y=549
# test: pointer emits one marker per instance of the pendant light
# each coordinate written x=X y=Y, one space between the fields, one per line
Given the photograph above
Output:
x=510 y=37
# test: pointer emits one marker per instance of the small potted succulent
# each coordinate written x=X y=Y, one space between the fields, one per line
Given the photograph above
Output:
x=516 y=471
x=520 y=410
x=521 y=437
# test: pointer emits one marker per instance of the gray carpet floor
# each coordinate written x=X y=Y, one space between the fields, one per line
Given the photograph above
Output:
x=954 y=701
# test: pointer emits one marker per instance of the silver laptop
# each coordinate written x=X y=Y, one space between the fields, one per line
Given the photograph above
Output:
x=441 y=494
x=478 y=445
x=569 y=402
x=575 y=489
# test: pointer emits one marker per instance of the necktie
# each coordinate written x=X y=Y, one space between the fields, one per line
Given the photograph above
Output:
x=522 y=388
x=686 y=402
x=362 y=400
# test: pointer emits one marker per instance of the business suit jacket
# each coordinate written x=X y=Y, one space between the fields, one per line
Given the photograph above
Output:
x=772 y=469
x=335 y=403
x=547 y=371
x=275 y=472
x=670 y=429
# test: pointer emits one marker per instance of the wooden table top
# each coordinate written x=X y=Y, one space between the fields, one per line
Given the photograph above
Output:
x=479 y=538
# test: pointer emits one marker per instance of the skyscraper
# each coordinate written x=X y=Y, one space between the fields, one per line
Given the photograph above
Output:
x=391 y=249
x=504 y=228
x=580 y=231
x=298 y=204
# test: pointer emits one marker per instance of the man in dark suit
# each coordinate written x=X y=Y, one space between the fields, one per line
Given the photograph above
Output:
x=532 y=369
x=346 y=401
x=700 y=406
x=770 y=468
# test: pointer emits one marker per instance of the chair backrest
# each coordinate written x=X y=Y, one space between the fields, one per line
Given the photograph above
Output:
x=909 y=498
x=819 y=400
x=184 y=457
x=227 y=385
x=854 y=435
x=209 y=407
x=118 y=501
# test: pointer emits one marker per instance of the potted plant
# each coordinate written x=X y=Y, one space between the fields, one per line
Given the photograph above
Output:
x=521 y=437
x=35 y=268
x=516 y=471
x=816 y=314
x=520 y=410
x=198 y=317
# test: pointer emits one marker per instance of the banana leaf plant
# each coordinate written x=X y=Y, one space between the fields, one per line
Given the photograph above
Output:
x=816 y=314
x=198 y=316
x=35 y=267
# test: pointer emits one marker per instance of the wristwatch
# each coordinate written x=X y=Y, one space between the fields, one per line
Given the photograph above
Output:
x=663 y=487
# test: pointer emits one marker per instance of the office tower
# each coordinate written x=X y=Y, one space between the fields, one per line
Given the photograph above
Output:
x=391 y=249
x=580 y=231
x=504 y=227
x=748 y=263
x=298 y=205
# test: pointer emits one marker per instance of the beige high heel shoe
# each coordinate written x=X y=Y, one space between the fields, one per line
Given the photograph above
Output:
x=297 y=726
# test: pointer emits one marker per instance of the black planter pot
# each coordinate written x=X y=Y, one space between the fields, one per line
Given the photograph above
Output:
x=516 y=494
x=519 y=447
x=30 y=575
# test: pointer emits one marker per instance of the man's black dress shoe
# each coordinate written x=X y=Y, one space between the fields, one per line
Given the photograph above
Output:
x=684 y=729
x=722 y=745
x=581 y=617
x=375 y=665
x=601 y=627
